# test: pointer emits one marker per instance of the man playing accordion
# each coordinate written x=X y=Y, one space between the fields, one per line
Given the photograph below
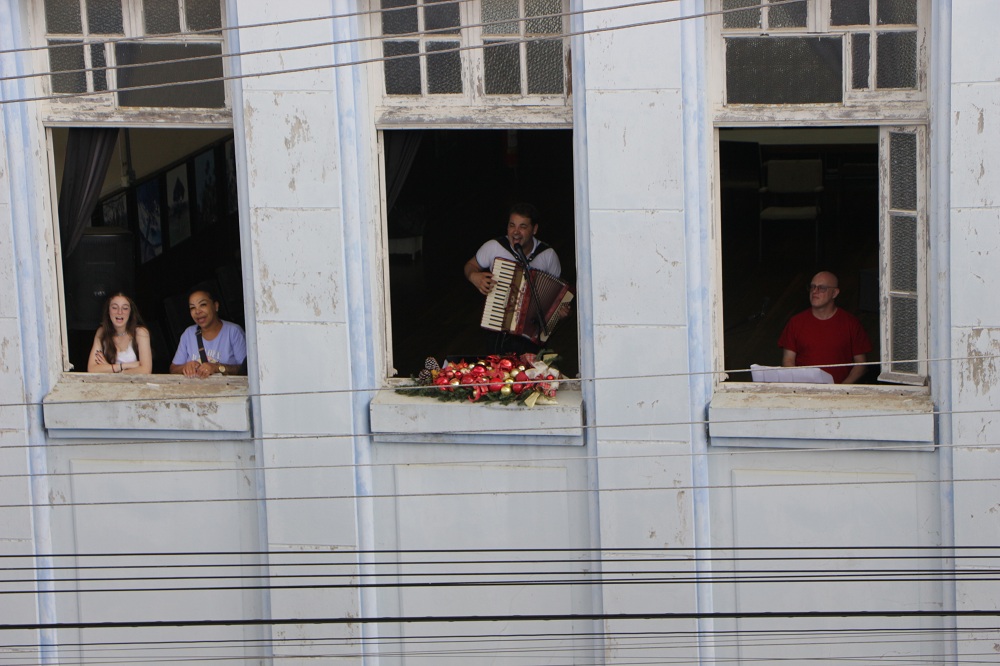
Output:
x=519 y=244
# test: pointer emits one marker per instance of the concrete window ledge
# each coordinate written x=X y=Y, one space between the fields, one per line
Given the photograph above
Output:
x=794 y=416
x=396 y=417
x=147 y=407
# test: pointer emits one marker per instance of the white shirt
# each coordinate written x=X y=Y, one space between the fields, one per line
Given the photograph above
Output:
x=546 y=261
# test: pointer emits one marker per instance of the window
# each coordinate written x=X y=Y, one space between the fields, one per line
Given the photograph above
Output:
x=822 y=51
x=89 y=50
x=449 y=197
x=166 y=219
x=520 y=50
x=839 y=84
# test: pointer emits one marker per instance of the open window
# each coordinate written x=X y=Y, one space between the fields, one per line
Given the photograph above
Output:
x=852 y=203
x=447 y=192
x=831 y=96
x=165 y=219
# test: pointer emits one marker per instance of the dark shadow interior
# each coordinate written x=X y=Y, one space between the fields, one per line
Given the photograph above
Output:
x=167 y=220
x=454 y=197
x=767 y=266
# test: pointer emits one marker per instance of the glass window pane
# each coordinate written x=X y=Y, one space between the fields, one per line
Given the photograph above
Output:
x=67 y=55
x=904 y=333
x=903 y=171
x=63 y=17
x=896 y=60
x=402 y=75
x=903 y=254
x=749 y=18
x=494 y=11
x=161 y=16
x=397 y=21
x=550 y=9
x=545 y=71
x=794 y=15
x=104 y=17
x=784 y=70
x=443 y=18
x=897 y=12
x=99 y=64
x=860 y=60
x=210 y=94
x=444 y=70
x=502 y=65
x=850 y=12
x=203 y=14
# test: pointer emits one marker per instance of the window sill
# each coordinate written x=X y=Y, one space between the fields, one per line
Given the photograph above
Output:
x=398 y=418
x=808 y=416
x=147 y=407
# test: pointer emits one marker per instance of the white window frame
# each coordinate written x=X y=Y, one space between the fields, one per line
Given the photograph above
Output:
x=888 y=295
x=743 y=413
x=888 y=104
x=90 y=406
x=73 y=109
x=472 y=107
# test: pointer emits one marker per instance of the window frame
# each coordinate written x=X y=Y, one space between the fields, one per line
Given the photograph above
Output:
x=886 y=103
x=69 y=108
x=473 y=69
x=902 y=113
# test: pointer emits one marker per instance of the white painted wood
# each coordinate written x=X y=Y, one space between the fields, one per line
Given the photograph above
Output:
x=816 y=417
x=102 y=404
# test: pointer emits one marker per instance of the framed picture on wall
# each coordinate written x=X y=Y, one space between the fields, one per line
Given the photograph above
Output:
x=150 y=223
x=206 y=195
x=178 y=206
x=114 y=211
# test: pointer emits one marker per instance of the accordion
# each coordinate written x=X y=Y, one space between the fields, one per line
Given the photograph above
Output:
x=510 y=307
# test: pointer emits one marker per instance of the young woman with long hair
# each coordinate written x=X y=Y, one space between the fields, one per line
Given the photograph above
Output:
x=121 y=344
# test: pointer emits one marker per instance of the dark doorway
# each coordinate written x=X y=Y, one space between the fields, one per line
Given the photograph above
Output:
x=455 y=196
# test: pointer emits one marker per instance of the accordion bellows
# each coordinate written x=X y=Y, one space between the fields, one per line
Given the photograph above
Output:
x=510 y=307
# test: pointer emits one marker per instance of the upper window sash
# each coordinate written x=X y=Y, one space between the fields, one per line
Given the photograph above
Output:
x=859 y=52
x=473 y=53
x=90 y=51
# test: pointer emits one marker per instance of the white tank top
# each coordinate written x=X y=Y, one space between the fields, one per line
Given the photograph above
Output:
x=127 y=356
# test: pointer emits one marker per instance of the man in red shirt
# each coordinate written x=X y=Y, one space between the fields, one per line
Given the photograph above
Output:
x=825 y=334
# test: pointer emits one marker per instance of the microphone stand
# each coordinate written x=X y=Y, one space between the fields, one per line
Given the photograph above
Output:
x=523 y=260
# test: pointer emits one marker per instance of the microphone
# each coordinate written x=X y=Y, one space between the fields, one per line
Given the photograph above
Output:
x=519 y=254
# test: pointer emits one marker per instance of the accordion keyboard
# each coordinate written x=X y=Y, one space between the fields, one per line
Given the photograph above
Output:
x=496 y=310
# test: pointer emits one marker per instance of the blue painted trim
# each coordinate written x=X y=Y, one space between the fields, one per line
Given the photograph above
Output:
x=353 y=139
x=585 y=304
x=699 y=137
x=21 y=133
x=939 y=298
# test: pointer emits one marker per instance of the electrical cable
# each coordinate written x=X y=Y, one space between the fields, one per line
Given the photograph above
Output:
x=367 y=61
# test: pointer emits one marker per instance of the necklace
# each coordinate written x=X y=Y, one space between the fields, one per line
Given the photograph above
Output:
x=121 y=335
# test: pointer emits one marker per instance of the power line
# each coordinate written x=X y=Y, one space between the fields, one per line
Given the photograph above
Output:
x=367 y=61
x=173 y=382
x=283 y=49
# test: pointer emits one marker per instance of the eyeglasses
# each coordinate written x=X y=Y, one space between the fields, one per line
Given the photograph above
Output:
x=821 y=288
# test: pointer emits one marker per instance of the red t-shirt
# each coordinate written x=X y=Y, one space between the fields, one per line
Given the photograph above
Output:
x=820 y=341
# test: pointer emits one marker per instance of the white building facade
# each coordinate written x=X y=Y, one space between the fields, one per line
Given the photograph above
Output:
x=664 y=509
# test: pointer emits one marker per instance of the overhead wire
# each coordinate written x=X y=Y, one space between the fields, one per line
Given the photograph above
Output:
x=375 y=60
x=506 y=619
